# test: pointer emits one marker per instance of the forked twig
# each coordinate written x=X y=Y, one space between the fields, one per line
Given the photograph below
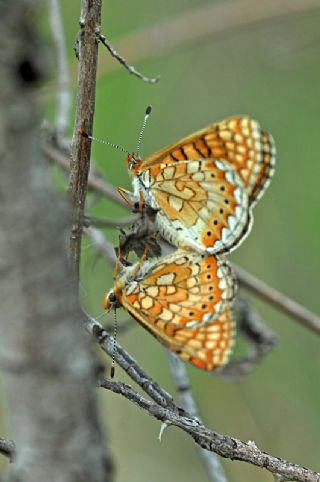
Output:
x=122 y=61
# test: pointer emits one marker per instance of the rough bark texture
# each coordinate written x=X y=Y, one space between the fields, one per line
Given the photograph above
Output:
x=45 y=356
x=81 y=147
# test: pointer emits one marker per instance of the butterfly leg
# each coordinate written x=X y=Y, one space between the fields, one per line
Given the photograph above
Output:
x=116 y=266
x=128 y=197
x=138 y=265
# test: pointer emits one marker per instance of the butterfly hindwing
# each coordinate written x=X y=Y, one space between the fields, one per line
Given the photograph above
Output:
x=202 y=204
x=184 y=300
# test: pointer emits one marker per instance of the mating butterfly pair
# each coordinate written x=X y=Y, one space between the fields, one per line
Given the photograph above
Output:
x=203 y=189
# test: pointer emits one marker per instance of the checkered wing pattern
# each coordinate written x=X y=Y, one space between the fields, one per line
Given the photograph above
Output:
x=184 y=300
x=238 y=140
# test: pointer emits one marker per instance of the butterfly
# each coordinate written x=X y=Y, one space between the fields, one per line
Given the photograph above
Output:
x=204 y=186
x=184 y=299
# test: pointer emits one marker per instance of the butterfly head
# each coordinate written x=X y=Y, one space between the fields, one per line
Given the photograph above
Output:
x=133 y=163
x=111 y=300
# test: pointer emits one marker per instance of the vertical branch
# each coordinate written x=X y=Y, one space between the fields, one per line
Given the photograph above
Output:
x=80 y=147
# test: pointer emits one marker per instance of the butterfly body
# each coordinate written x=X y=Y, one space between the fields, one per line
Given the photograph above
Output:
x=184 y=299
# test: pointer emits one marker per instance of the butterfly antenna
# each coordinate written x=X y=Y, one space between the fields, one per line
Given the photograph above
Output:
x=144 y=123
x=101 y=141
x=115 y=329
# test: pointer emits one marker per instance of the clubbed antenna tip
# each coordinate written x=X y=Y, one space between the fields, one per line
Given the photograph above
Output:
x=145 y=120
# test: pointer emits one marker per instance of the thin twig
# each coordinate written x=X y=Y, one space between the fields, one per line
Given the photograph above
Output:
x=90 y=19
x=180 y=378
x=130 y=68
x=103 y=247
x=111 y=223
x=95 y=183
x=279 y=300
x=223 y=445
x=202 y=24
x=63 y=77
x=7 y=448
x=128 y=364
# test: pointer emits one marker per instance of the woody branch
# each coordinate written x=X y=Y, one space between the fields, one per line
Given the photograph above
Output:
x=165 y=410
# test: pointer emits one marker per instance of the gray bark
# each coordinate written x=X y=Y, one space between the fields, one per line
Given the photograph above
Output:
x=48 y=366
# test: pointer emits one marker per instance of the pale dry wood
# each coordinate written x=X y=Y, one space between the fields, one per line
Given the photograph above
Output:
x=63 y=96
x=47 y=362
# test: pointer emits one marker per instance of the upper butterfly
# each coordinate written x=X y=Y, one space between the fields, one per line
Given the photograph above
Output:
x=205 y=185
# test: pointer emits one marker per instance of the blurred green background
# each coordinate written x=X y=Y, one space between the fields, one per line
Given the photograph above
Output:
x=271 y=71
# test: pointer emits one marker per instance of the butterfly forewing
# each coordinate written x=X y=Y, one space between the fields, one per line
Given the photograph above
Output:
x=238 y=140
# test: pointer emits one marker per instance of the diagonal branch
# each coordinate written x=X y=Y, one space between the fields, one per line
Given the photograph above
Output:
x=223 y=445
x=279 y=300
x=96 y=184
x=129 y=365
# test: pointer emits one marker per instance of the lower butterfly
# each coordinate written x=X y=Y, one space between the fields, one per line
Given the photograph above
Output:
x=204 y=186
x=183 y=299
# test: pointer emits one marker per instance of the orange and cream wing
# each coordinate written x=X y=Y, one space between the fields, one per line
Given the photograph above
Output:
x=201 y=203
x=184 y=300
x=238 y=140
x=207 y=347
